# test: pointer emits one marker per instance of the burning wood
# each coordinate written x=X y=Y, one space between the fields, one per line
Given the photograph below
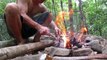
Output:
x=61 y=24
x=83 y=31
x=71 y=39
x=67 y=43
x=61 y=51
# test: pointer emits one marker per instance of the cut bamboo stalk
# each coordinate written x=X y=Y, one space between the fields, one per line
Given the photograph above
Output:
x=37 y=57
x=12 y=52
x=97 y=56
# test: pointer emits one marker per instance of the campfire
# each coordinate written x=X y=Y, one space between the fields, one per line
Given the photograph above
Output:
x=60 y=23
x=71 y=43
x=69 y=39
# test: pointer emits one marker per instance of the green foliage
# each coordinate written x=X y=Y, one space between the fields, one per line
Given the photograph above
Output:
x=96 y=14
x=3 y=30
x=56 y=7
x=3 y=4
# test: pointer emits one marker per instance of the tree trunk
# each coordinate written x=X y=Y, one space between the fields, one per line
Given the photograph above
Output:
x=70 y=16
x=53 y=6
x=11 y=52
x=81 y=13
x=61 y=5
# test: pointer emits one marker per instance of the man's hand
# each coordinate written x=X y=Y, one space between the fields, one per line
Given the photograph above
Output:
x=44 y=30
x=57 y=32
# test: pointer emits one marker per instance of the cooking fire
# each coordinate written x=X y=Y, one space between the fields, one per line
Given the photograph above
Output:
x=69 y=39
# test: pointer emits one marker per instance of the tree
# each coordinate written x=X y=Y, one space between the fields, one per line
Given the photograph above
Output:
x=96 y=15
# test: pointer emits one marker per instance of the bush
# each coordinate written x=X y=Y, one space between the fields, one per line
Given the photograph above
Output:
x=3 y=4
x=3 y=30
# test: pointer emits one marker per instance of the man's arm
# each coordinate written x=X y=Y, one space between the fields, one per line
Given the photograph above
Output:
x=23 y=6
x=44 y=9
x=52 y=24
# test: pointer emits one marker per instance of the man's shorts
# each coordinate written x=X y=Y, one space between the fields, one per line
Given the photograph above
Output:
x=28 y=31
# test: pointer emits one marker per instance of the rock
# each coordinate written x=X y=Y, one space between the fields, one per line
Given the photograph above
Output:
x=97 y=43
x=104 y=50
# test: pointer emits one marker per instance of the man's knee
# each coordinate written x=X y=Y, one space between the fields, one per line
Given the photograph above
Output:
x=11 y=8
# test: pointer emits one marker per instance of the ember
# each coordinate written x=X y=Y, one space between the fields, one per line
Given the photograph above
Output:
x=75 y=43
x=67 y=43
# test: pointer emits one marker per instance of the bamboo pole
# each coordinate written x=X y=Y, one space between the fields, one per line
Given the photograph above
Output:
x=11 y=52
x=97 y=56
x=37 y=57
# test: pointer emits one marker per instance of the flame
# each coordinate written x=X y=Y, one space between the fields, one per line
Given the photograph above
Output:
x=60 y=23
x=67 y=43
x=71 y=12
x=82 y=32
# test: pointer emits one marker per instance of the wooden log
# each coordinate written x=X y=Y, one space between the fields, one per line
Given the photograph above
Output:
x=28 y=57
x=97 y=56
x=11 y=52
x=61 y=51
x=82 y=52
x=37 y=57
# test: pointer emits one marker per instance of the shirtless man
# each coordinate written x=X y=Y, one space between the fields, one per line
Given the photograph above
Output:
x=21 y=22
